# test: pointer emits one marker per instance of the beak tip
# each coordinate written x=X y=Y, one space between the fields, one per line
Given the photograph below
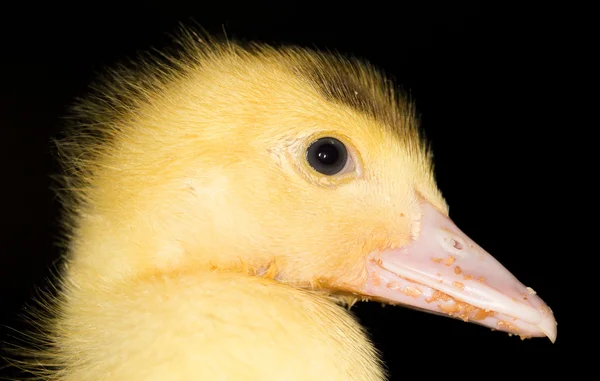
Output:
x=548 y=326
x=550 y=330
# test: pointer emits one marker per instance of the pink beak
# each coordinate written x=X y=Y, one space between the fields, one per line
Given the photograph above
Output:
x=443 y=271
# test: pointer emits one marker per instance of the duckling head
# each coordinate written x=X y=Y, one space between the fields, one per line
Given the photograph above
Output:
x=304 y=167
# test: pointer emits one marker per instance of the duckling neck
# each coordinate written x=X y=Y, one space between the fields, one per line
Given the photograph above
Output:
x=208 y=325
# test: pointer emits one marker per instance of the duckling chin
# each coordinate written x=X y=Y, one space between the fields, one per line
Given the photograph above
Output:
x=220 y=208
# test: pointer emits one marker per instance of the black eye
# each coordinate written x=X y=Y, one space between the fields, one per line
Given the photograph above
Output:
x=327 y=156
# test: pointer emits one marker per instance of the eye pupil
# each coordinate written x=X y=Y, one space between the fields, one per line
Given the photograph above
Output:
x=327 y=156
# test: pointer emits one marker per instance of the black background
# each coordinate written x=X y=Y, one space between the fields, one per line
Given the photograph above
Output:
x=479 y=77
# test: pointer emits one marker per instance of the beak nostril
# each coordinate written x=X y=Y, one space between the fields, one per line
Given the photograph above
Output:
x=457 y=245
x=453 y=243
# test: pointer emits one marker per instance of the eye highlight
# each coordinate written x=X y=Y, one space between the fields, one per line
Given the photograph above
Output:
x=327 y=155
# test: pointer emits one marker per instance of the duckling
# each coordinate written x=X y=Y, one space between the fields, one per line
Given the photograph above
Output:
x=224 y=207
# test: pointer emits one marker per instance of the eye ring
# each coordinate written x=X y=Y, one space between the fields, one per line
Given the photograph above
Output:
x=327 y=155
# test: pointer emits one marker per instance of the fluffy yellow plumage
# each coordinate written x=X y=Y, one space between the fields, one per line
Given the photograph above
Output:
x=203 y=245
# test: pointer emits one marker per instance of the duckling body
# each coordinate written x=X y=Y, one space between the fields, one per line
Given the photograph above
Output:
x=205 y=242
x=212 y=326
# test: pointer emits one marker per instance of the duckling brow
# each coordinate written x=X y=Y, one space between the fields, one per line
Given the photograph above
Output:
x=361 y=87
x=357 y=86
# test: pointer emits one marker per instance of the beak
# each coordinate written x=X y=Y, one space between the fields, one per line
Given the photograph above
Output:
x=443 y=271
